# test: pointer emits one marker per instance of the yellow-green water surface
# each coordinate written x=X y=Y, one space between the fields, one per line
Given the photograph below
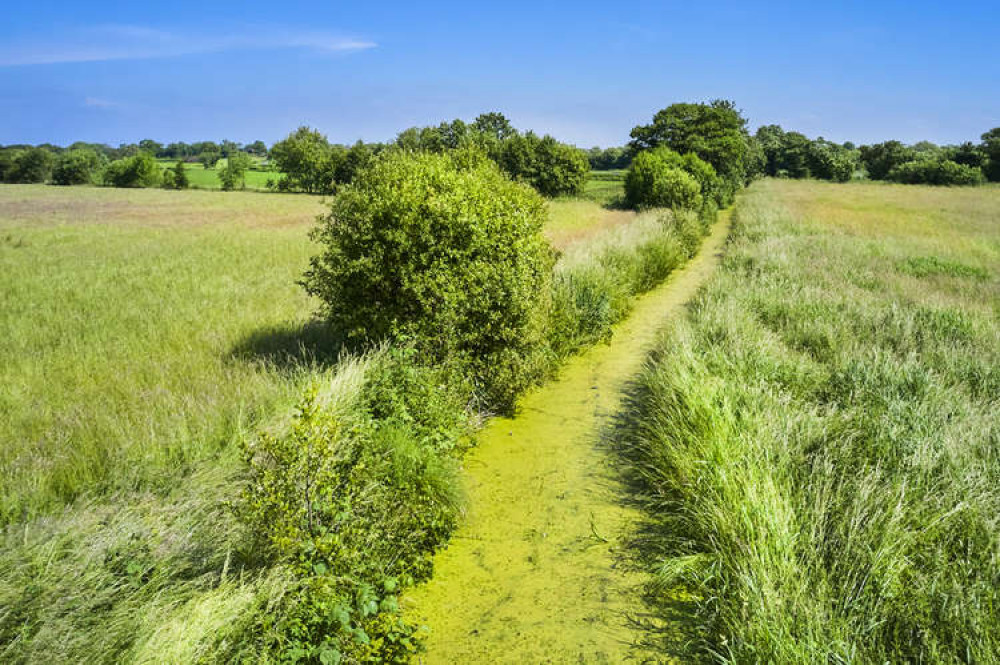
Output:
x=538 y=570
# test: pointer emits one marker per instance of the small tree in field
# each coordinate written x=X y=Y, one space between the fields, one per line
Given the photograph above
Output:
x=180 y=176
x=209 y=159
x=308 y=161
x=233 y=175
x=445 y=250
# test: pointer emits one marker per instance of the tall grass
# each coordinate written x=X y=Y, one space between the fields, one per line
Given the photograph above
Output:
x=595 y=281
x=817 y=443
x=123 y=329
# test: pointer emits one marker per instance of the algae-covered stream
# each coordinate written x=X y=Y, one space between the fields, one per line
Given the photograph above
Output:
x=538 y=571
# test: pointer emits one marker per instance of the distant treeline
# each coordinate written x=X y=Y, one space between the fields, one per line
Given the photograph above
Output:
x=793 y=155
x=306 y=161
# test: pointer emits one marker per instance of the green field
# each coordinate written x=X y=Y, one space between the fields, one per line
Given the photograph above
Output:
x=201 y=178
x=817 y=444
x=605 y=187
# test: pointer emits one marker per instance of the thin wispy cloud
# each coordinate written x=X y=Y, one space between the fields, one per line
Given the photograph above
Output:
x=131 y=42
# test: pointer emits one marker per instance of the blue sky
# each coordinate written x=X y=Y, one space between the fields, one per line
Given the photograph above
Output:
x=586 y=72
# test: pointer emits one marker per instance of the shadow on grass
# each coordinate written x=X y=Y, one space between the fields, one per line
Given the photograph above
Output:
x=666 y=615
x=292 y=345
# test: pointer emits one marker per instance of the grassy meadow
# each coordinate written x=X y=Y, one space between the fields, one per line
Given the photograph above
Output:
x=125 y=318
x=817 y=443
x=146 y=335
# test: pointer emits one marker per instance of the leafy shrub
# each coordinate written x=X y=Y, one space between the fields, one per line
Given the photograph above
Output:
x=829 y=161
x=935 y=172
x=30 y=166
x=353 y=497
x=653 y=181
x=140 y=170
x=443 y=249
x=180 y=179
x=551 y=167
x=76 y=167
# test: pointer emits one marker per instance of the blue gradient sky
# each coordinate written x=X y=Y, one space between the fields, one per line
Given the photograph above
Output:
x=586 y=72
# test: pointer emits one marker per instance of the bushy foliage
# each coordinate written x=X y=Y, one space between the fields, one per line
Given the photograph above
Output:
x=312 y=164
x=209 y=158
x=30 y=165
x=590 y=296
x=829 y=161
x=443 y=249
x=881 y=158
x=140 y=170
x=306 y=158
x=180 y=178
x=657 y=179
x=930 y=171
x=77 y=167
x=352 y=160
x=716 y=132
x=354 y=497
x=551 y=167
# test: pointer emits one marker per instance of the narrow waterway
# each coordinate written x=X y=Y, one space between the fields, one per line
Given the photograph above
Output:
x=538 y=571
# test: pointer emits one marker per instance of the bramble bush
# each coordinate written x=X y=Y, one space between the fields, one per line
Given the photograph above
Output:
x=443 y=249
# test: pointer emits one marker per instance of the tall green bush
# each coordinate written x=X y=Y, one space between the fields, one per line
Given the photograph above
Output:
x=443 y=249
x=77 y=167
x=654 y=180
x=551 y=167
x=140 y=170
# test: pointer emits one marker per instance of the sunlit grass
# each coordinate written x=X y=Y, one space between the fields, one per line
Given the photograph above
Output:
x=124 y=314
x=818 y=442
